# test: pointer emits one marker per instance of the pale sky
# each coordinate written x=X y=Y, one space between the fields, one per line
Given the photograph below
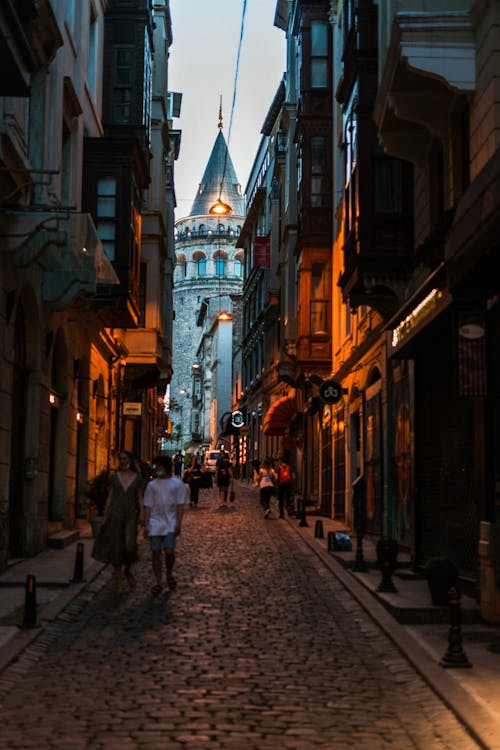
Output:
x=202 y=66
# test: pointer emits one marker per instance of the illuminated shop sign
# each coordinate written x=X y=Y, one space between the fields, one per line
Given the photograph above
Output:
x=419 y=313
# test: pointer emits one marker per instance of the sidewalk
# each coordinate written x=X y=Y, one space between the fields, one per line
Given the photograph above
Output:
x=53 y=570
x=420 y=631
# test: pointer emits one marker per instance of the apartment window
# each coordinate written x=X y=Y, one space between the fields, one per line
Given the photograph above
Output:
x=349 y=18
x=122 y=84
x=388 y=177
x=319 y=172
x=141 y=322
x=319 y=300
x=106 y=214
x=147 y=85
x=202 y=267
x=319 y=54
x=69 y=7
x=350 y=152
x=220 y=265
x=92 y=58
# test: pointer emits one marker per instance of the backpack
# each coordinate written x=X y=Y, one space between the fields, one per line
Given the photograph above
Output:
x=285 y=473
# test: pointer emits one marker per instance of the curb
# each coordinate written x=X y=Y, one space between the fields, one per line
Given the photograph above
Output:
x=477 y=721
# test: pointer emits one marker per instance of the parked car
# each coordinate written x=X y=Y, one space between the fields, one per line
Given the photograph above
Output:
x=211 y=458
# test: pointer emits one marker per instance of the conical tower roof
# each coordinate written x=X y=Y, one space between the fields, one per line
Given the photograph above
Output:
x=219 y=170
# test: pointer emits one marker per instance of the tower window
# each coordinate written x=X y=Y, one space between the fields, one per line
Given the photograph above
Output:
x=220 y=264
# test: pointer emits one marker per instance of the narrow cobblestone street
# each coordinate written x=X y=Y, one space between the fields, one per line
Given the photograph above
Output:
x=259 y=648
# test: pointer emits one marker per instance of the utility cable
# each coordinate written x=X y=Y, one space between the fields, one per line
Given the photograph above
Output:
x=235 y=87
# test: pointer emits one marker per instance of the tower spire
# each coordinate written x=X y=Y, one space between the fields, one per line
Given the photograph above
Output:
x=220 y=126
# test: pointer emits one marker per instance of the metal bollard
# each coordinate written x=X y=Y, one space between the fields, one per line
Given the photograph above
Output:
x=455 y=655
x=302 y=513
x=360 y=565
x=330 y=541
x=318 y=530
x=78 y=569
x=29 y=619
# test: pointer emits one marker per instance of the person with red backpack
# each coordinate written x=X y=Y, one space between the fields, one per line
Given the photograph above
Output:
x=285 y=477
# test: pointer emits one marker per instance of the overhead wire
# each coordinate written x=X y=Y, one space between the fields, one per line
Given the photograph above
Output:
x=235 y=88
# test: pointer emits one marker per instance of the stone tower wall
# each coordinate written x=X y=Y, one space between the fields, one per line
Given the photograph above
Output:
x=199 y=238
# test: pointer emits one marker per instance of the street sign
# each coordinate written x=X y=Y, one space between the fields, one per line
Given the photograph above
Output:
x=132 y=409
x=330 y=392
x=244 y=430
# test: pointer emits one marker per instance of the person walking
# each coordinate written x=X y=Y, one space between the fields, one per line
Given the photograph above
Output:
x=117 y=541
x=267 y=485
x=285 y=479
x=164 y=502
x=178 y=464
x=223 y=477
x=193 y=476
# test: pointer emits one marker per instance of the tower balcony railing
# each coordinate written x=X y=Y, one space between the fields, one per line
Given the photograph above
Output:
x=205 y=232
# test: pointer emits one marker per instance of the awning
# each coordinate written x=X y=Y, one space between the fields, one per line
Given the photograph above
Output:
x=279 y=416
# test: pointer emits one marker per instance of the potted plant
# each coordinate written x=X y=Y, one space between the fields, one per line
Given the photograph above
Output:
x=97 y=493
x=441 y=574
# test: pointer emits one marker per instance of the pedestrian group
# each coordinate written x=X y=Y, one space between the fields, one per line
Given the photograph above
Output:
x=159 y=510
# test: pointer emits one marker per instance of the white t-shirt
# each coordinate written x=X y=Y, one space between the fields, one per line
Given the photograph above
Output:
x=163 y=496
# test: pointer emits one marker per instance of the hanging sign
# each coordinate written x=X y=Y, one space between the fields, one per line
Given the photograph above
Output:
x=330 y=392
x=237 y=418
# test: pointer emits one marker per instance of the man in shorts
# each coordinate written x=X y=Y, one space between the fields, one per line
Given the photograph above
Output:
x=164 y=502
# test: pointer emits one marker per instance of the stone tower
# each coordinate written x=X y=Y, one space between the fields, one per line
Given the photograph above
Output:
x=209 y=269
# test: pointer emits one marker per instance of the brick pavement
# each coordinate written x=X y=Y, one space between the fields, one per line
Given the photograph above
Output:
x=259 y=648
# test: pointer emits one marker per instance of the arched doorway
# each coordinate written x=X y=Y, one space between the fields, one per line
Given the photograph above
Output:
x=17 y=541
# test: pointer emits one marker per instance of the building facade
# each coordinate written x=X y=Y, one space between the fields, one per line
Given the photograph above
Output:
x=387 y=283
x=74 y=159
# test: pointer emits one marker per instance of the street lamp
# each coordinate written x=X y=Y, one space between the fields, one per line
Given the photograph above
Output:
x=219 y=208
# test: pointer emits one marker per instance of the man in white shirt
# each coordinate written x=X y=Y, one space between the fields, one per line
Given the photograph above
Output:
x=164 y=502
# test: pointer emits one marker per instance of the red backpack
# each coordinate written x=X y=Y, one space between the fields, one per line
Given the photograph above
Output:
x=285 y=473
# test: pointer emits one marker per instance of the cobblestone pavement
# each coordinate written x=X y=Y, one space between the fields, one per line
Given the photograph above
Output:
x=259 y=648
